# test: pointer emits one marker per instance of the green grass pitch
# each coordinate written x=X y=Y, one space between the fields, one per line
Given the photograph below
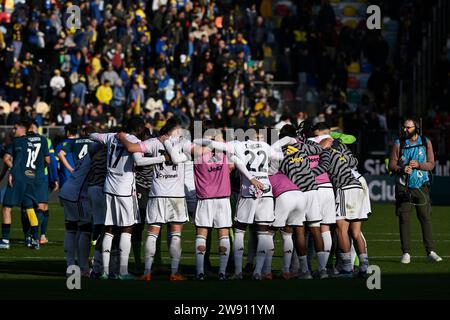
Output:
x=29 y=274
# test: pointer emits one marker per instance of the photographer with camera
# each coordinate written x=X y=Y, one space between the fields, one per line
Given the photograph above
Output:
x=412 y=160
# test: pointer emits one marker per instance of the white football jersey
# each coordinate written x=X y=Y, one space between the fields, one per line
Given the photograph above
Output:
x=76 y=185
x=120 y=177
x=256 y=156
x=168 y=178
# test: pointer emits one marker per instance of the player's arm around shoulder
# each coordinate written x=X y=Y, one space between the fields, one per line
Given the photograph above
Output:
x=99 y=137
x=131 y=143
x=175 y=150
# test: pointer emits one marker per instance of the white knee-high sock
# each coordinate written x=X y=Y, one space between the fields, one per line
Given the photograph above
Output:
x=125 y=248
x=84 y=242
x=106 y=253
x=288 y=248
x=200 y=241
x=327 y=242
x=238 y=248
x=70 y=246
x=224 y=253
x=365 y=242
x=149 y=251
x=261 y=250
x=269 y=254
x=303 y=264
x=352 y=253
x=322 y=258
x=175 y=251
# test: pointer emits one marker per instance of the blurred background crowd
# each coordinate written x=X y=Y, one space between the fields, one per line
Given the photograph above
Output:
x=233 y=62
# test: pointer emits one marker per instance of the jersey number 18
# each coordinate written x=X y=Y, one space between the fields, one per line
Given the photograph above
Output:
x=32 y=155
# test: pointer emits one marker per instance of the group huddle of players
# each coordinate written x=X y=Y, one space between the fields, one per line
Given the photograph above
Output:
x=305 y=185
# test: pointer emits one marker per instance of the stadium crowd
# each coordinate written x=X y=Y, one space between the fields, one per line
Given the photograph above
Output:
x=203 y=60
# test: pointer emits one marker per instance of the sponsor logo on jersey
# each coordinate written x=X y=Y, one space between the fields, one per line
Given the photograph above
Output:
x=296 y=160
x=213 y=169
x=29 y=173
x=166 y=176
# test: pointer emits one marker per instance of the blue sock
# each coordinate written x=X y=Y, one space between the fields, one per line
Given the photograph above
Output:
x=25 y=223
x=44 y=223
x=6 y=231
x=35 y=232
x=40 y=216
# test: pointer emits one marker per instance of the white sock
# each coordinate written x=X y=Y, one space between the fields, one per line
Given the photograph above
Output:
x=295 y=264
x=303 y=262
x=106 y=253
x=149 y=251
x=352 y=253
x=327 y=241
x=224 y=242
x=288 y=248
x=84 y=247
x=261 y=250
x=269 y=255
x=125 y=248
x=322 y=258
x=365 y=242
x=200 y=241
x=175 y=251
x=97 y=261
x=251 y=243
x=238 y=249
x=69 y=247
x=346 y=261
x=363 y=262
